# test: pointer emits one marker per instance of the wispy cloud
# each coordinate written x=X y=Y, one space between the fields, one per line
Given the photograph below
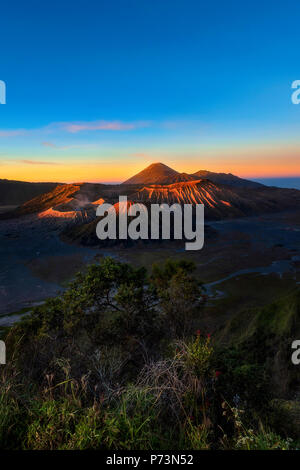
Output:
x=34 y=162
x=50 y=144
x=70 y=146
x=74 y=127
x=12 y=132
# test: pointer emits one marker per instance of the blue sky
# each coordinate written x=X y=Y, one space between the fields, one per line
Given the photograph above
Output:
x=128 y=82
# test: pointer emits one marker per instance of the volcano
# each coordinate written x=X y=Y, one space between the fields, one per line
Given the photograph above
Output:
x=226 y=178
x=223 y=195
x=158 y=173
x=220 y=201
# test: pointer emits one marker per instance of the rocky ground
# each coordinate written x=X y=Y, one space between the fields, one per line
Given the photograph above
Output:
x=36 y=263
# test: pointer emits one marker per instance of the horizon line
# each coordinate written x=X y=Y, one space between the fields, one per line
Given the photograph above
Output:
x=97 y=181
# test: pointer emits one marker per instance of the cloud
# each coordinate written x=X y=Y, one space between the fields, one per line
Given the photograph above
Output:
x=34 y=162
x=71 y=146
x=12 y=132
x=49 y=144
x=74 y=127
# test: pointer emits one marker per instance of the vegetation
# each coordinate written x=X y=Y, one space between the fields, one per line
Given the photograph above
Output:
x=117 y=362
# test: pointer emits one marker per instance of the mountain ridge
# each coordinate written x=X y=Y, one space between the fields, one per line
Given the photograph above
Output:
x=154 y=173
x=159 y=173
x=14 y=192
x=239 y=198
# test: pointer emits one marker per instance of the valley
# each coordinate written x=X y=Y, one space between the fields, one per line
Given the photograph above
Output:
x=37 y=264
x=251 y=232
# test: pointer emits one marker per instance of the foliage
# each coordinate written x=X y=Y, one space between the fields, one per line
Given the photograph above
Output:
x=113 y=363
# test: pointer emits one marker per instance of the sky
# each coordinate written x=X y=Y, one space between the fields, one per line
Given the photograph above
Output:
x=98 y=90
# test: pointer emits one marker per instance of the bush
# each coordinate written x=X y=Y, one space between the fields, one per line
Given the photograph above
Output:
x=113 y=364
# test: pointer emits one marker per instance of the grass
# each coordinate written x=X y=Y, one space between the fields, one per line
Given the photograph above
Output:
x=241 y=295
x=109 y=365
x=279 y=318
x=166 y=408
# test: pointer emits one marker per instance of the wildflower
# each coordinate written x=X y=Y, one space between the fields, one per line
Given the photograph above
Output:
x=198 y=332
x=217 y=373
x=208 y=335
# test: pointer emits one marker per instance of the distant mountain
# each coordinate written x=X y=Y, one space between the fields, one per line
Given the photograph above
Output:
x=158 y=173
x=18 y=192
x=226 y=178
x=226 y=197
x=184 y=177
x=220 y=201
x=64 y=198
x=69 y=201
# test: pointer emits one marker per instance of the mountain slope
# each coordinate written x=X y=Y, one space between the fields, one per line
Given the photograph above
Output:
x=237 y=198
x=18 y=192
x=63 y=198
x=220 y=201
x=158 y=173
x=226 y=178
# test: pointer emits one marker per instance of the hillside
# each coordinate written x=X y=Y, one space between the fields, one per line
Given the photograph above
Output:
x=227 y=178
x=158 y=173
x=159 y=379
x=220 y=201
x=63 y=198
x=18 y=192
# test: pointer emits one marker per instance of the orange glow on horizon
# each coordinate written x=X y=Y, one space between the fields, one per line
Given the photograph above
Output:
x=266 y=163
x=67 y=173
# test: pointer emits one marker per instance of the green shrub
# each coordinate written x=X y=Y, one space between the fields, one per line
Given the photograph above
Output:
x=113 y=364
